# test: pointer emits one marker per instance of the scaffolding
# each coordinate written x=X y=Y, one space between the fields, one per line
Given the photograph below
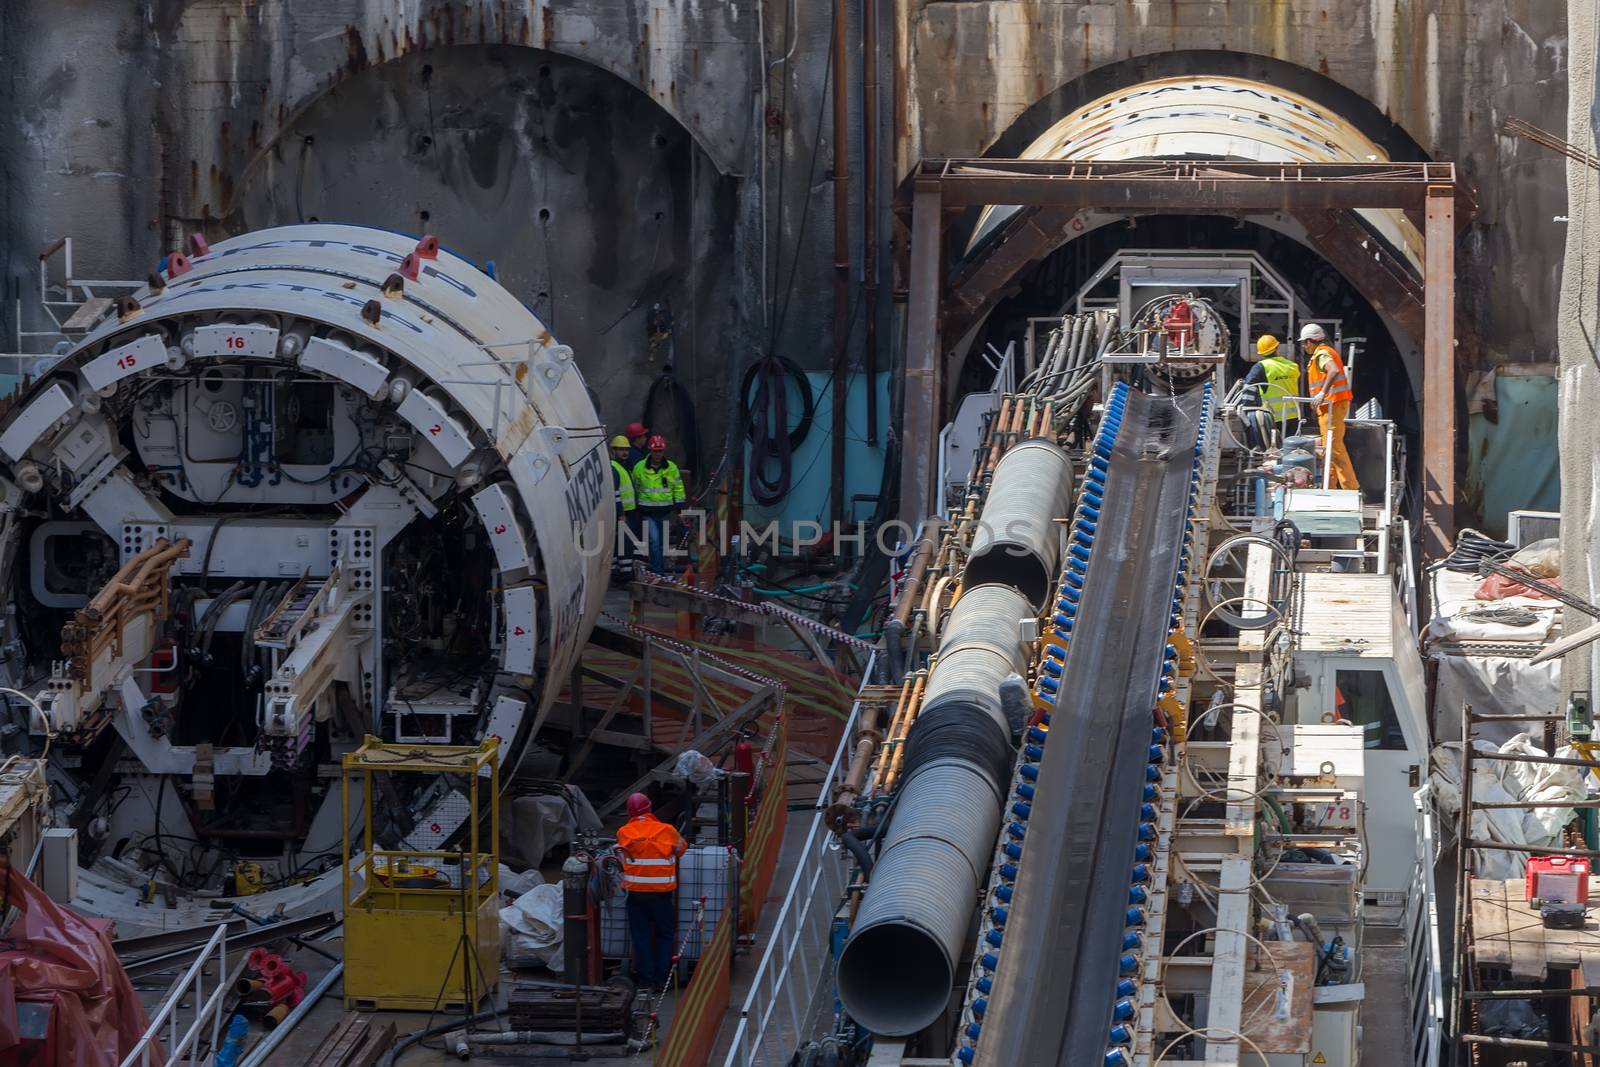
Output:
x=1504 y=951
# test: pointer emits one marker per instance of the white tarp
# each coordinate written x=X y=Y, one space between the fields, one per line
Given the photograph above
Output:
x=531 y=928
x=530 y=826
x=1503 y=685
x=1500 y=781
x=1459 y=616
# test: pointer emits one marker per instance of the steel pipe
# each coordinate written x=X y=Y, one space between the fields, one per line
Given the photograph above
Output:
x=899 y=963
x=1017 y=542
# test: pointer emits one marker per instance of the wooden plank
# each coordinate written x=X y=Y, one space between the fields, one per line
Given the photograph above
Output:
x=87 y=315
x=1244 y=757
x=1491 y=943
x=1508 y=932
x=1525 y=932
x=1288 y=986
x=379 y=1041
x=618 y=739
x=1258 y=564
x=1228 y=960
x=346 y=1036
x=1589 y=964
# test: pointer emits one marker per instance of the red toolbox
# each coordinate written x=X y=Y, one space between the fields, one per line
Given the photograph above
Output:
x=1560 y=879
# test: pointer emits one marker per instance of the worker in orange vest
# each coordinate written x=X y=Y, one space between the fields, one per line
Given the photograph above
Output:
x=1331 y=397
x=650 y=849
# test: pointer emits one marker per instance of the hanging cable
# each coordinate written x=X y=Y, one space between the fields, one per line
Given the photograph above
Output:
x=772 y=440
x=688 y=427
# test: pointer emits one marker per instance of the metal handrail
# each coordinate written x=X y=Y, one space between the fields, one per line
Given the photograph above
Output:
x=1425 y=967
x=190 y=987
x=790 y=970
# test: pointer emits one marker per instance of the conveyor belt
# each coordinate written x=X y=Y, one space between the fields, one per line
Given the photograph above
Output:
x=1053 y=988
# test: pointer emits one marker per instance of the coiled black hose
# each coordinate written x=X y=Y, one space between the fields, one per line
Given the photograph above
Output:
x=1473 y=547
x=772 y=440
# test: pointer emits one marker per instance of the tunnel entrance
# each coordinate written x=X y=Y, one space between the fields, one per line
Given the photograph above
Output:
x=1356 y=266
x=1050 y=288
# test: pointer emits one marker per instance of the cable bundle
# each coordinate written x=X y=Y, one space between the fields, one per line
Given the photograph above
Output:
x=1472 y=547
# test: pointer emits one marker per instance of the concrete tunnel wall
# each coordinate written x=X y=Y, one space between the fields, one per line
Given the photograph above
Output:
x=1580 y=357
x=137 y=123
x=597 y=153
x=1448 y=72
x=592 y=201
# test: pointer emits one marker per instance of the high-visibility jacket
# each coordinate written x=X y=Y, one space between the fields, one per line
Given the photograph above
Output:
x=1338 y=387
x=658 y=487
x=1283 y=380
x=624 y=491
x=650 y=850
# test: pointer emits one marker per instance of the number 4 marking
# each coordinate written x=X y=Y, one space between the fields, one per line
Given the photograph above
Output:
x=518 y=631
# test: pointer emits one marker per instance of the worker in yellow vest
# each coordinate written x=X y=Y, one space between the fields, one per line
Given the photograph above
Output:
x=658 y=488
x=1331 y=397
x=1277 y=380
x=650 y=849
x=621 y=555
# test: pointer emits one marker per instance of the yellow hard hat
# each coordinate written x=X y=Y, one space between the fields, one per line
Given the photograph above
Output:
x=619 y=441
x=1266 y=344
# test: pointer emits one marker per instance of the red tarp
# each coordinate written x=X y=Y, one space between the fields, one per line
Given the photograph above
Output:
x=1500 y=586
x=53 y=956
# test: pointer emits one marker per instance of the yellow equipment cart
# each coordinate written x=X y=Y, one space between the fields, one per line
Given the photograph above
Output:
x=422 y=923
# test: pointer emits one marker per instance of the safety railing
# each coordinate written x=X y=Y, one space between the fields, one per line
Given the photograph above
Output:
x=190 y=990
x=778 y=1011
x=1424 y=966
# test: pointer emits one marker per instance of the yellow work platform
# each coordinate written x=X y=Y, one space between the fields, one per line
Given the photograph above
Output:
x=422 y=924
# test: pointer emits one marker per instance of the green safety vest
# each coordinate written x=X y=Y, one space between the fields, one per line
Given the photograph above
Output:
x=659 y=488
x=1283 y=380
x=624 y=486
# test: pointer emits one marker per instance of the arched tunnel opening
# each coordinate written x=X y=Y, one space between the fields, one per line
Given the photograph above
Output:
x=596 y=207
x=1356 y=272
x=1046 y=288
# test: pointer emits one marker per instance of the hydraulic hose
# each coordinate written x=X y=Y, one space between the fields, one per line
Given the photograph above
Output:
x=1471 y=548
x=772 y=441
x=856 y=843
x=389 y=1058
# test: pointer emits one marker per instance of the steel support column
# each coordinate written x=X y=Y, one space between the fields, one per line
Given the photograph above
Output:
x=1439 y=374
x=841 y=256
x=919 y=431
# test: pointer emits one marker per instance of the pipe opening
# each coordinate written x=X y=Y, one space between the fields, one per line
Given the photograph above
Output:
x=1007 y=564
x=894 y=979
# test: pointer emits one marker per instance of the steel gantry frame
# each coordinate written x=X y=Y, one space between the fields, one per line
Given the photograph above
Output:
x=1426 y=192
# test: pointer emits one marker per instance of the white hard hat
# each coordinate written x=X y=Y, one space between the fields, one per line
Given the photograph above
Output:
x=1312 y=332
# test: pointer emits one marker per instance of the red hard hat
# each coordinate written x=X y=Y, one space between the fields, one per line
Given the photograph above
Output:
x=657 y=443
x=636 y=429
x=638 y=804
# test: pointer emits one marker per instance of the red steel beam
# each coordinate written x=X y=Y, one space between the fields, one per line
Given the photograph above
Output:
x=923 y=402
x=1439 y=374
x=1194 y=184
